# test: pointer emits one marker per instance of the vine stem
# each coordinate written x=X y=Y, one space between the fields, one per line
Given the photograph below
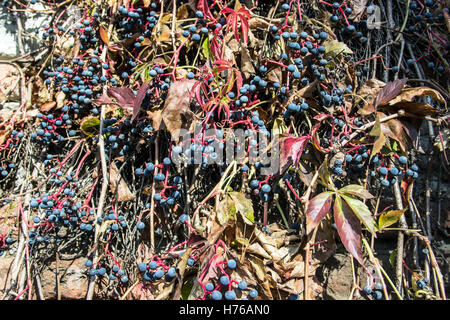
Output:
x=101 y=145
x=306 y=292
x=380 y=271
x=152 y=201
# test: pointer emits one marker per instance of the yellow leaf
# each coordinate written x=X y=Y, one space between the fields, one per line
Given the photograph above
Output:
x=165 y=36
x=90 y=126
x=237 y=5
x=388 y=218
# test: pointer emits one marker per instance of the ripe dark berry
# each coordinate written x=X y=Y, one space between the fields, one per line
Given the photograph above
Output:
x=216 y=295
x=231 y=264
x=230 y=295
x=253 y=293
x=224 y=280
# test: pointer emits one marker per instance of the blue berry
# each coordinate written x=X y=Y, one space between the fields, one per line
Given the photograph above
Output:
x=242 y=285
x=253 y=293
x=421 y=284
x=231 y=264
x=266 y=188
x=377 y=295
x=230 y=295
x=142 y=267
x=394 y=171
x=140 y=225
x=224 y=280
x=216 y=295
x=172 y=272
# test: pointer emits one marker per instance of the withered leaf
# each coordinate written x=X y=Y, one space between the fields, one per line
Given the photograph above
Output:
x=123 y=192
x=408 y=94
x=104 y=35
x=390 y=91
x=47 y=106
x=176 y=106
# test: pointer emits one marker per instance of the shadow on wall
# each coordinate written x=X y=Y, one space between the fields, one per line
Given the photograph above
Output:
x=9 y=31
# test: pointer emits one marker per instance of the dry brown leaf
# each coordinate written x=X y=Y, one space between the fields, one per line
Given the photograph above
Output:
x=256 y=248
x=182 y=12
x=123 y=192
x=75 y=50
x=246 y=62
x=47 y=106
x=175 y=114
x=418 y=108
x=274 y=75
x=358 y=9
x=104 y=35
x=370 y=90
x=447 y=20
x=257 y=22
x=8 y=81
x=60 y=96
x=258 y=267
x=389 y=92
x=408 y=94
x=4 y=134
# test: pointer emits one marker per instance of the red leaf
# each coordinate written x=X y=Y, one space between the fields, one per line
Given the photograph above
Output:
x=244 y=11
x=203 y=6
x=138 y=100
x=123 y=95
x=348 y=227
x=239 y=80
x=102 y=100
x=244 y=27
x=235 y=26
x=227 y=10
x=317 y=208
x=291 y=150
x=390 y=91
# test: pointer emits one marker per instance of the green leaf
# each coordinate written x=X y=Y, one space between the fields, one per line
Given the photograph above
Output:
x=334 y=47
x=325 y=176
x=348 y=227
x=393 y=258
x=243 y=205
x=206 y=48
x=387 y=149
x=356 y=190
x=388 y=218
x=394 y=145
x=186 y=289
x=279 y=127
x=362 y=212
x=90 y=127
x=226 y=210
